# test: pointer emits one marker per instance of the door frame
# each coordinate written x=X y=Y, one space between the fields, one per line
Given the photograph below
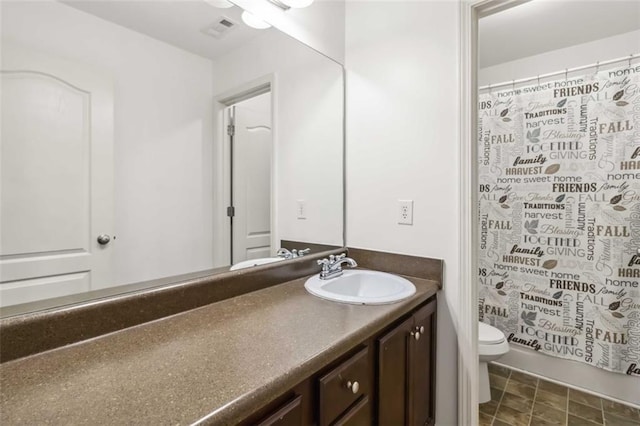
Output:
x=468 y=363
x=222 y=163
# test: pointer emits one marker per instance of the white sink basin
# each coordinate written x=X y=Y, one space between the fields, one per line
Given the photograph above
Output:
x=361 y=287
x=255 y=262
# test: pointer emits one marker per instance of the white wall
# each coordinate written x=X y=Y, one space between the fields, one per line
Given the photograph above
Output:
x=402 y=136
x=557 y=60
x=163 y=135
x=590 y=379
x=308 y=130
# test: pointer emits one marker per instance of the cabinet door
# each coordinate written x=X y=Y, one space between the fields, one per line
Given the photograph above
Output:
x=421 y=367
x=392 y=374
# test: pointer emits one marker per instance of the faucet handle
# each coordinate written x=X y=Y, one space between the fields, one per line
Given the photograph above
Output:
x=283 y=252
x=304 y=251
x=326 y=264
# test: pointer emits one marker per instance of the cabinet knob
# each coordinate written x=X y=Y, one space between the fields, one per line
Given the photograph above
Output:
x=416 y=335
x=422 y=329
x=354 y=386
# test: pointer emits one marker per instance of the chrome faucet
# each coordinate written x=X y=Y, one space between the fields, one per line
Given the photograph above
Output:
x=332 y=267
x=283 y=252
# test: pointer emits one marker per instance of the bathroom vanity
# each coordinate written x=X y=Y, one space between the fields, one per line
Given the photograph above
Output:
x=389 y=377
x=277 y=355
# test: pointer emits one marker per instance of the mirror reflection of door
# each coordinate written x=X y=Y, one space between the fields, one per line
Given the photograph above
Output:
x=251 y=158
x=56 y=173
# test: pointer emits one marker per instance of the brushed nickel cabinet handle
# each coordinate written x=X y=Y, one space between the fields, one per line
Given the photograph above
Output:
x=354 y=386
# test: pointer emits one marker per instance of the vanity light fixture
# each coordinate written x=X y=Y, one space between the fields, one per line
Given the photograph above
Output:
x=253 y=21
x=220 y=4
x=288 y=4
x=297 y=3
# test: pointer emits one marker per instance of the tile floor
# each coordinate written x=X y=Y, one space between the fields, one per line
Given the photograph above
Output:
x=518 y=399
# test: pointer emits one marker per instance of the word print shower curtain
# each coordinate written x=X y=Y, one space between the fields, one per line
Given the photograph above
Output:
x=559 y=205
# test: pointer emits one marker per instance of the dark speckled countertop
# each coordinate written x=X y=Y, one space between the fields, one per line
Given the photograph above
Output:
x=215 y=364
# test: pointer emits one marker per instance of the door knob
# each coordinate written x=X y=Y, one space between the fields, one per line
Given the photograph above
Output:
x=103 y=239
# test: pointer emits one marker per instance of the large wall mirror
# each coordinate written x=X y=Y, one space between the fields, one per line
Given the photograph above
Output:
x=147 y=142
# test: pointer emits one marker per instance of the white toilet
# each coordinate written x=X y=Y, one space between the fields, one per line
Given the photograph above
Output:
x=491 y=345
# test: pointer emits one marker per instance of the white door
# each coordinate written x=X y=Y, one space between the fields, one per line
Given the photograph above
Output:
x=56 y=170
x=251 y=188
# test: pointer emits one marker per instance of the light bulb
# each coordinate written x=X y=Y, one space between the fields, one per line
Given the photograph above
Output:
x=253 y=21
x=297 y=3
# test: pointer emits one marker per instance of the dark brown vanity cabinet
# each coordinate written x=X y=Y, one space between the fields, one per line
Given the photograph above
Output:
x=388 y=380
x=406 y=371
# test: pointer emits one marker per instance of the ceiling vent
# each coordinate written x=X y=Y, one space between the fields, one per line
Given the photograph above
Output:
x=220 y=28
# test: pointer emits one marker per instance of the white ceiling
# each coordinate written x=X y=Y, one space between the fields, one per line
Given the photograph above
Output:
x=179 y=22
x=540 y=26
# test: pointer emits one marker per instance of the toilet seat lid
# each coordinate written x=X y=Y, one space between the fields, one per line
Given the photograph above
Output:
x=489 y=335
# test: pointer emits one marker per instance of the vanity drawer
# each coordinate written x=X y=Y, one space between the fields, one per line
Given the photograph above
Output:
x=289 y=414
x=358 y=415
x=343 y=386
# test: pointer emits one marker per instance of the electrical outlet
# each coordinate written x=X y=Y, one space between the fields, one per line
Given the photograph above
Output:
x=301 y=209
x=405 y=212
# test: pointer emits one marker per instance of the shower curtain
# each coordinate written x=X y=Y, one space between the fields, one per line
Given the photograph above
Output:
x=559 y=216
